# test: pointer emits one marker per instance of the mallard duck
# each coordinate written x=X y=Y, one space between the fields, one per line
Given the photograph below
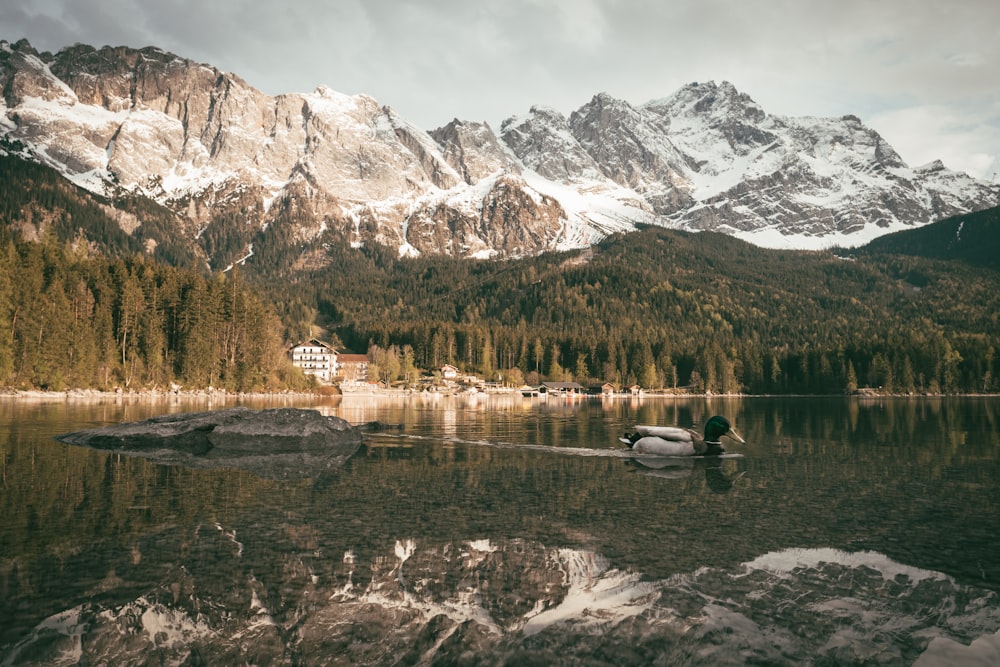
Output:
x=676 y=441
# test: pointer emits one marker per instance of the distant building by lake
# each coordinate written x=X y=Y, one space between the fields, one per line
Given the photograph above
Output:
x=322 y=361
x=315 y=358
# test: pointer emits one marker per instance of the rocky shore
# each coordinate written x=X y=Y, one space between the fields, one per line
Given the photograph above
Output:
x=276 y=442
x=157 y=394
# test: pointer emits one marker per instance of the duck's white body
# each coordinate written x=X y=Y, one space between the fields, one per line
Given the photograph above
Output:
x=675 y=441
x=664 y=441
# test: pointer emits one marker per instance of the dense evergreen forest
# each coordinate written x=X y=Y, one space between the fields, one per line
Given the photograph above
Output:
x=972 y=238
x=88 y=305
x=69 y=320
x=669 y=309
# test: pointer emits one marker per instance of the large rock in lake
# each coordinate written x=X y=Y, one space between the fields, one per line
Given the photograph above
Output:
x=279 y=443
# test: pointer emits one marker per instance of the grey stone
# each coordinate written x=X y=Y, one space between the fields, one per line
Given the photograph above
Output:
x=284 y=442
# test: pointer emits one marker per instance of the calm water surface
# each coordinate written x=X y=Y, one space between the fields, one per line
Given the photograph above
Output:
x=515 y=531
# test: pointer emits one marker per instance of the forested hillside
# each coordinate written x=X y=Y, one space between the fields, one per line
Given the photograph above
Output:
x=669 y=309
x=85 y=304
x=71 y=321
x=38 y=201
x=973 y=238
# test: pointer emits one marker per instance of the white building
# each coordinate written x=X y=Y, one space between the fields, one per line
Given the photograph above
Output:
x=317 y=358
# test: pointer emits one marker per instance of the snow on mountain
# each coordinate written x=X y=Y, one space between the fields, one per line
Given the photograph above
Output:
x=232 y=163
x=543 y=141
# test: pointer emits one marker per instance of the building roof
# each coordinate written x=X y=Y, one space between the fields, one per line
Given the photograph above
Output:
x=352 y=358
x=315 y=342
x=562 y=385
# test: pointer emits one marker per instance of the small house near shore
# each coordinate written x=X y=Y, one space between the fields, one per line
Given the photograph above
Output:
x=352 y=368
x=563 y=388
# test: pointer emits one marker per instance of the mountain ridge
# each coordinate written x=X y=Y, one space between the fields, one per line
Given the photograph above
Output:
x=661 y=307
x=232 y=163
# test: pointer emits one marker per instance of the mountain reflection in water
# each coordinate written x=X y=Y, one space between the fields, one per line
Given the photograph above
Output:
x=505 y=533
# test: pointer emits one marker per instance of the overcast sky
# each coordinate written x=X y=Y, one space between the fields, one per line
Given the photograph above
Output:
x=923 y=73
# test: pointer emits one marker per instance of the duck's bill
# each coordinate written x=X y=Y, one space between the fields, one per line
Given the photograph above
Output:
x=736 y=436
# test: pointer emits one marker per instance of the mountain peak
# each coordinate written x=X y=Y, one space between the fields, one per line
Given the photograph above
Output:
x=543 y=141
x=308 y=168
x=604 y=110
x=472 y=150
x=20 y=46
x=537 y=114
x=931 y=167
x=607 y=101
x=709 y=100
x=540 y=110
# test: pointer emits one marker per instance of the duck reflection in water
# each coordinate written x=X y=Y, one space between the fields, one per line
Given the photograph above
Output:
x=717 y=478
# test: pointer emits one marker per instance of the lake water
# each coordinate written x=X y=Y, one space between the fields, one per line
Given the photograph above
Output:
x=515 y=531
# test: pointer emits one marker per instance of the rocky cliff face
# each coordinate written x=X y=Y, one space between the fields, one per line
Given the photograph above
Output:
x=709 y=158
x=233 y=163
x=214 y=149
x=809 y=177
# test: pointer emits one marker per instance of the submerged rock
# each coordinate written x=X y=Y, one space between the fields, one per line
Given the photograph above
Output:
x=283 y=442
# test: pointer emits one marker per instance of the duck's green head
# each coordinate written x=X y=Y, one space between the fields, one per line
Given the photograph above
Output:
x=718 y=426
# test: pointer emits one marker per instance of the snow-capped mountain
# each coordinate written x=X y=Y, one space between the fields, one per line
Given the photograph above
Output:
x=325 y=166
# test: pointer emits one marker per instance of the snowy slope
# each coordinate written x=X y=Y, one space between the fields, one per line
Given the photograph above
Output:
x=325 y=166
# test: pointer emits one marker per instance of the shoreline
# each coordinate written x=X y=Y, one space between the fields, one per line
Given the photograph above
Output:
x=222 y=394
x=151 y=394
